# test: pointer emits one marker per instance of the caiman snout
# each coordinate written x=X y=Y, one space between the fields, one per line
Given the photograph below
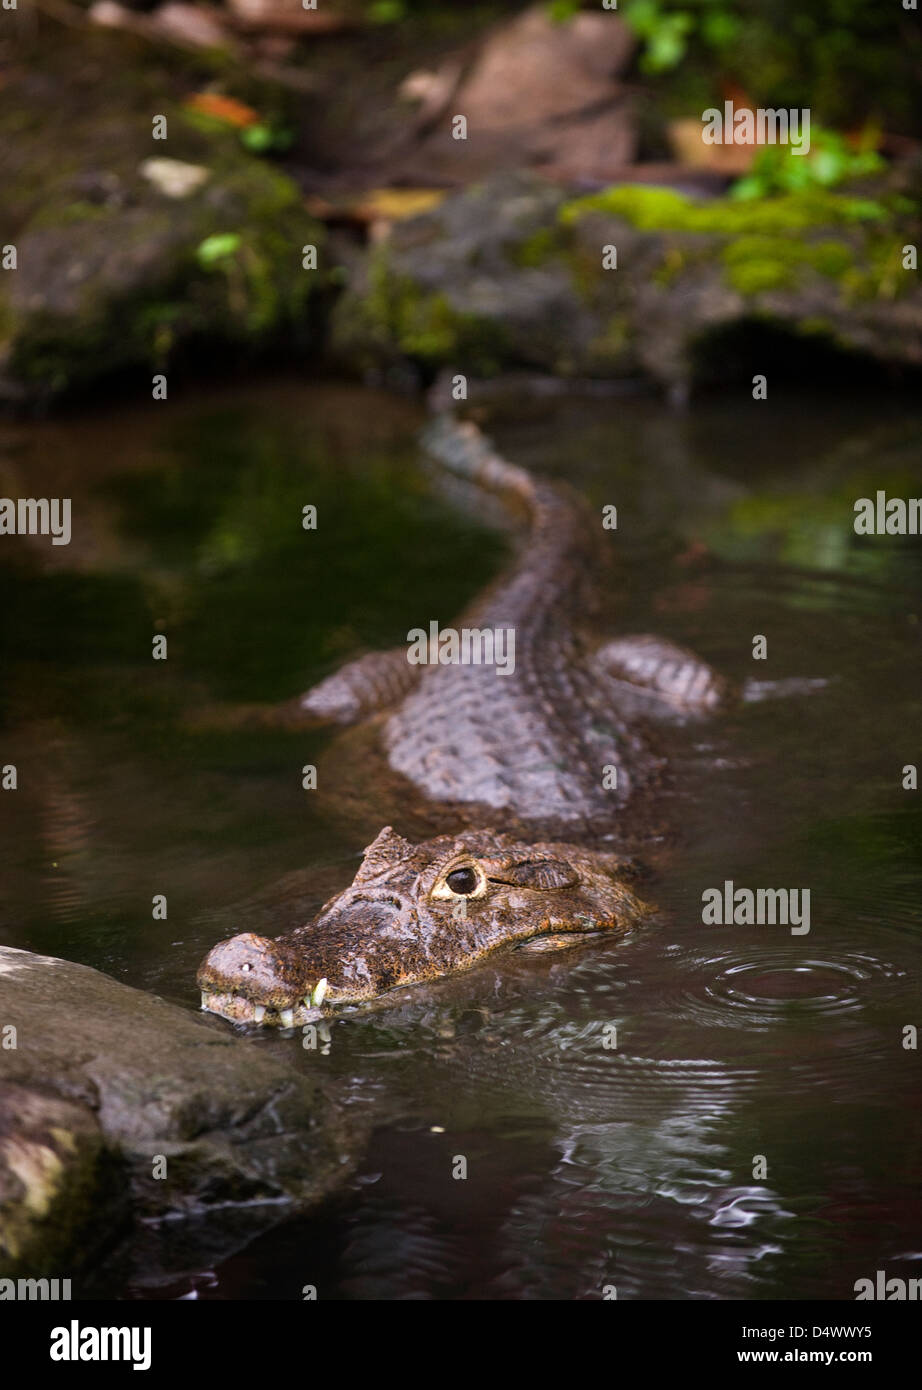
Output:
x=414 y=913
x=249 y=977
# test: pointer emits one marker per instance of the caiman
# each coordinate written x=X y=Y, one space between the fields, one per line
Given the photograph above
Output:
x=530 y=762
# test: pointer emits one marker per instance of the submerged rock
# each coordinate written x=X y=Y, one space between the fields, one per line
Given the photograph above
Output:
x=117 y=1106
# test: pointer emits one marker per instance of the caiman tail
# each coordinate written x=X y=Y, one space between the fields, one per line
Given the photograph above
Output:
x=536 y=737
x=459 y=446
x=539 y=598
x=561 y=551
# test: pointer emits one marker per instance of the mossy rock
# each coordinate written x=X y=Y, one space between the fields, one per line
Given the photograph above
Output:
x=479 y=285
x=103 y=1082
x=110 y=274
x=663 y=209
x=766 y=244
x=57 y=1183
x=394 y=318
x=515 y=274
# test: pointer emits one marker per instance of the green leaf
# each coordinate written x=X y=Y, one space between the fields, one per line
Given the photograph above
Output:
x=828 y=166
x=643 y=16
x=866 y=209
x=559 y=11
x=752 y=186
x=720 y=29
x=257 y=138
x=217 y=248
x=387 y=11
x=666 y=44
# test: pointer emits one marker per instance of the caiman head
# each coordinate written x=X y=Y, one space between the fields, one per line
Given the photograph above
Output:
x=414 y=913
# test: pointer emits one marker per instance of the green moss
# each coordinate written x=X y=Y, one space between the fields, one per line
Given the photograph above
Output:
x=541 y=247
x=74 y=195
x=816 y=326
x=610 y=348
x=886 y=277
x=245 y=296
x=586 y=273
x=257 y=186
x=8 y=320
x=758 y=277
x=662 y=209
x=767 y=244
x=428 y=328
x=831 y=258
x=157 y=326
x=397 y=315
x=68 y=215
x=754 y=264
x=250 y=285
x=675 y=260
x=263 y=283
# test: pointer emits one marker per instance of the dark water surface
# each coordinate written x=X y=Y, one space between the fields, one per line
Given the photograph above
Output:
x=588 y=1166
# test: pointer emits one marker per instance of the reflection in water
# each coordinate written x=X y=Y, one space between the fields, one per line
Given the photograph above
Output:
x=66 y=825
x=740 y=1050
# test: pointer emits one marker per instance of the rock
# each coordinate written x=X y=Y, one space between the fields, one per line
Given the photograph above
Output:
x=108 y=14
x=198 y=25
x=189 y=26
x=103 y=1079
x=431 y=90
x=174 y=178
x=57 y=1181
x=290 y=16
x=533 y=70
x=444 y=284
x=541 y=94
x=509 y=275
x=108 y=225
x=447 y=287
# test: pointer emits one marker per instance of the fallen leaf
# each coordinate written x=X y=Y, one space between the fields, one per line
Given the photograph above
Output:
x=226 y=109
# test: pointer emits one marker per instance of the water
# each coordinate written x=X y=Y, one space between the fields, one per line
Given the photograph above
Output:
x=588 y=1166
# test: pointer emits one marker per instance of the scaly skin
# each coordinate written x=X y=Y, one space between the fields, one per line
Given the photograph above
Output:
x=527 y=747
x=417 y=912
x=528 y=751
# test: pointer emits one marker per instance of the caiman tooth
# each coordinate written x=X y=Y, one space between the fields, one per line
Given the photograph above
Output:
x=319 y=990
x=259 y=1013
x=204 y=1000
x=288 y=1018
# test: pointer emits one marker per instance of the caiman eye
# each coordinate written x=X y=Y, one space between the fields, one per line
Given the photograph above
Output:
x=464 y=881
